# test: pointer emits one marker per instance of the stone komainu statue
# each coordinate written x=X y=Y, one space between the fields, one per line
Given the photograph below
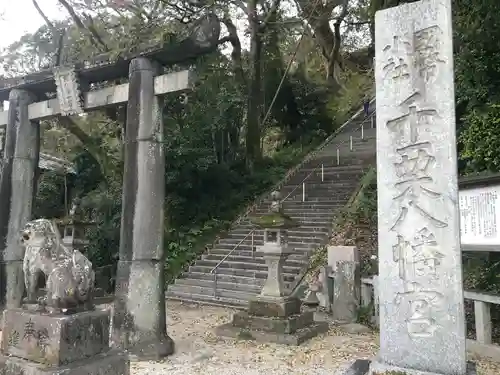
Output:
x=69 y=275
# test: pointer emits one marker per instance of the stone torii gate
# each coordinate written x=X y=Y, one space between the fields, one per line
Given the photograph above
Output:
x=139 y=318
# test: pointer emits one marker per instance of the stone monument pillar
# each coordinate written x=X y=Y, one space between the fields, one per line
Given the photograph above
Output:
x=273 y=316
x=422 y=320
x=17 y=189
x=420 y=290
x=139 y=313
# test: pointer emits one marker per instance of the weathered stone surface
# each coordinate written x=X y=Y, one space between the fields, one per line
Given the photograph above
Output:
x=355 y=328
x=22 y=168
x=296 y=338
x=341 y=253
x=274 y=307
x=377 y=368
x=146 y=304
x=346 y=291
x=55 y=340
x=420 y=277
x=277 y=325
x=358 y=367
x=140 y=317
x=114 y=95
x=367 y=367
x=325 y=295
x=275 y=252
x=103 y=364
x=69 y=274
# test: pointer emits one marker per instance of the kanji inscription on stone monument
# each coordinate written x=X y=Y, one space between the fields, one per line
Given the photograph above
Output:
x=68 y=91
x=420 y=277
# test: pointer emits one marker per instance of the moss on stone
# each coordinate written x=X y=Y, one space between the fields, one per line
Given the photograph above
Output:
x=278 y=220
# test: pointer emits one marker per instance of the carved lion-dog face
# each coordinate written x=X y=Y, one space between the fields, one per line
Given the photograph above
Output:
x=38 y=234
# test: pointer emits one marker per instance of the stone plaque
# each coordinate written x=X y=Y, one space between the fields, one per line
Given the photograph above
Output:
x=420 y=273
x=68 y=91
x=480 y=216
x=55 y=340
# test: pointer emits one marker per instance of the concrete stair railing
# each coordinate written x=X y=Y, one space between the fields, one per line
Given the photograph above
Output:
x=230 y=273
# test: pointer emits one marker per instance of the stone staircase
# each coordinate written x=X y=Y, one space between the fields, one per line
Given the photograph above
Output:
x=231 y=273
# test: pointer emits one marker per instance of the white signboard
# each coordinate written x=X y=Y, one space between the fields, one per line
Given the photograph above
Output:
x=480 y=216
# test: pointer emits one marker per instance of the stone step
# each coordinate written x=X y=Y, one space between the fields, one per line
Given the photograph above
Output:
x=312 y=225
x=256 y=273
x=325 y=199
x=347 y=158
x=221 y=284
x=248 y=265
x=293 y=242
x=258 y=235
x=297 y=253
x=305 y=246
x=320 y=217
x=345 y=147
x=333 y=168
x=258 y=260
x=321 y=188
x=294 y=206
x=206 y=300
x=311 y=196
x=303 y=221
x=209 y=291
x=242 y=232
x=300 y=212
x=230 y=279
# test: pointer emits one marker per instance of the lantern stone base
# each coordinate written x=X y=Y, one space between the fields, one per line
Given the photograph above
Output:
x=276 y=320
x=274 y=306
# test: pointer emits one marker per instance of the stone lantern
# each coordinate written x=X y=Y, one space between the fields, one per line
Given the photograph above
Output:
x=275 y=249
x=274 y=316
x=73 y=236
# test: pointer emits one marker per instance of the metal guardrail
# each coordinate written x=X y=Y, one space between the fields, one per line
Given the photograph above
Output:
x=370 y=119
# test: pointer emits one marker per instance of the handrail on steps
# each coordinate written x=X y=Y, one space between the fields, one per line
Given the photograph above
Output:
x=251 y=233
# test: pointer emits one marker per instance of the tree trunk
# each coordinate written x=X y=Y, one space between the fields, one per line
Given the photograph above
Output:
x=253 y=150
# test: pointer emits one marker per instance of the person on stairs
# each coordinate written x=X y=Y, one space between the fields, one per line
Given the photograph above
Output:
x=366 y=106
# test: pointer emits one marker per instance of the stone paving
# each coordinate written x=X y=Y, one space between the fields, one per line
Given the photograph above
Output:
x=199 y=351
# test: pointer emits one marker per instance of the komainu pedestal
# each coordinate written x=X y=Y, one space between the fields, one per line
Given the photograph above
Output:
x=60 y=333
x=38 y=343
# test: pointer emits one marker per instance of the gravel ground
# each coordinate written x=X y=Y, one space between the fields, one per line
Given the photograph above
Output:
x=199 y=351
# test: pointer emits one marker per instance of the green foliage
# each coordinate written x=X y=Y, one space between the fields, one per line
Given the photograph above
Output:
x=477 y=61
x=364 y=315
x=207 y=179
x=477 y=77
x=50 y=197
x=480 y=139
x=364 y=206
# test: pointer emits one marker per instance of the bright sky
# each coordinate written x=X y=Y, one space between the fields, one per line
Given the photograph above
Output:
x=20 y=16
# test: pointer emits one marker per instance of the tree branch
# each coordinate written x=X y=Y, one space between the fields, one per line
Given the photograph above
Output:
x=271 y=13
x=42 y=14
x=95 y=39
x=236 y=44
x=56 y=34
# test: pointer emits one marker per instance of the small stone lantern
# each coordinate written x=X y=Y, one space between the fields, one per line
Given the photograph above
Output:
x=73 y=236
x=275 y=248
x=272 y=315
